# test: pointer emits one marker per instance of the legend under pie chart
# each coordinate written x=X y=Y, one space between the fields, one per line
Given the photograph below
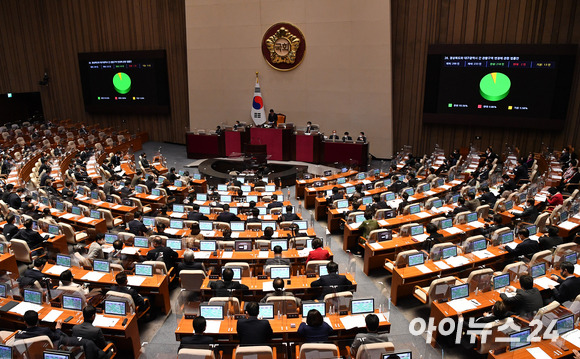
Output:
x=494 y=86
x=122 y=83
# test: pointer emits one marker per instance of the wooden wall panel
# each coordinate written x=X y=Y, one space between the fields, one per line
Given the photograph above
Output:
x=419 y=23
x=39 y=35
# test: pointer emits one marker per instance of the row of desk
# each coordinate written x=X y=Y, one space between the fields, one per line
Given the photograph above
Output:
x=282 y=145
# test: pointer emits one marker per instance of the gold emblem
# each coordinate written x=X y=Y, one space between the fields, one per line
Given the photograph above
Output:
x=283 y=46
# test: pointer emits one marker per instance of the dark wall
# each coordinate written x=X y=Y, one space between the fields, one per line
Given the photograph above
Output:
x=46 y=35
x=418 y=23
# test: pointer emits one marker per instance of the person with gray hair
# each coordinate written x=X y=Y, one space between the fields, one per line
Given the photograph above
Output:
x=189 y=262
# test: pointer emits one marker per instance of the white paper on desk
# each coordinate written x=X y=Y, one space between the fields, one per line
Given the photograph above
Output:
x=376 y=246
x=108 y=249
x=130 y=250
x=135 y=280
x=171 y=231
x=268 y=286
x=429 y=193
x=383 y=222
x=324 y=178
x=56 y=269
x=304 y=253
x=207 y=233
x=394 y=203
x=476 y=224
x=412 y=198
x=353 y=321
x=151 y=197
x=423 y=268
x=422 y=214
x=105 y=322
x=456 y=261
x=568 y=225
x=201 y=203
x=342 y=210
x=172 y=188
x=512 y=245
x=544 y=282
x=461 y=305
x=576 y=268
x=177 y=215
x=23 y=307
x=421 y=237
x=98 y=203
x=93 y=276
x=441 y=265
x=355 y=225
x=68 y=216
x=445 y=186
x=86 y=219
x=456 y=182
x=301 y=181
x=201 y=255
x=453 y=230
x=538 y=353
x=535 y=238
x=52 y=316
x=327 y=320
x=227 y=254
x=275 y=235
x=573 y=337
x=266 y=254
x=516 y=211
x=540 y=197
x=235 y=234
x=382 y=317
x=267 y=217
x=213 y=326
x=484 y=253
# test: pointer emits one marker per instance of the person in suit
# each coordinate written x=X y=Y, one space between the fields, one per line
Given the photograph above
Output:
x=308 y=127
x=396 y=184
x=278 y=285
x=315 y=330
x=32 y=237
x=67 y=192
x=361 y=137
x=472 y=203
x=551 y=240
x=371 y=336
x=317 y=252
x=487 y=197
x=275 y=203
x=508 y=184
x=571 y=181
x=35 y=273
x=86 y=330
x=161 y=252
x=434 y=237
x=527 y=299
x=96 y=248
x=14 y=199
x=272 y=117
x=9 y=229
x=223 y=287
x=277 y=260
x=346 y=137
x=195 y=215
x=127 y=190
x=197 y=339
x=333 y=136
x=226 y=215
x=255 y=216
x=289 y=215
x=33 y=330
x=378 y=204
x=189 y=262
x=251 y=330
x=136 y=226
x=526 y=248
x=488 y=230
x=569 y=287
x=332 y=282
x=403 y=203
x=530 y=212
x=461 y=207
x=521 y=171
x=121 y=279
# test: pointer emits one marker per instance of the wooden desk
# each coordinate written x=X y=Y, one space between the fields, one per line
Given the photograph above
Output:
x=302 y=184
x=285 y=329
x=8 y=264
x=300 y=285
x=351 y=153
x=156 y=285
x=204 y=146
x=278 y=142
x=308 y=148
x=405 y=279
x=126 y=338
x=312 y=192
x=115 y=208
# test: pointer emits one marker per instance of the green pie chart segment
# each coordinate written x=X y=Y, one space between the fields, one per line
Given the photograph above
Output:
x=494 y=86
x=122 y=83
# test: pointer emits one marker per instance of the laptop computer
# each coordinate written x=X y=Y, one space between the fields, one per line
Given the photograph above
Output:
x=144 y=269
x=460 y=291
x=520 y=339
x=114 y=307
x=282 y=272
x=308 y=306
x=71 y=302
x=211 y=312
x=362 y=306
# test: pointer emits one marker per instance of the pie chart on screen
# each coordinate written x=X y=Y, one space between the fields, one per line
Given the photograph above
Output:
x=495 y=86
x=122 y=83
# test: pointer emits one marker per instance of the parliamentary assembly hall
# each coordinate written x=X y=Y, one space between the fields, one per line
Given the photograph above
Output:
x=297 y=179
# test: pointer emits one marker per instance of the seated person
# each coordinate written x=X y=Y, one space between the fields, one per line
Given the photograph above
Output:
x=255 y=216
x=530 y=212
x=550 y=240
x=317 y=252
x=346 y=137
x=96 y=248
x=163 y=253
x=223 y=288
x=197 y=339
x=275 y=203
x=526 y=248
x=277 y=260
x=289 y=215
x=332 y=282
x=121 y=279
x=30 y=236
x=527 y=299
x=10 y=229
x=66 y=280
x=336 y=195
x=33 y=330
x=315 y=330
x=189 y=262
x=86 y=330
x=195 y=215
x=251 y=330
x=434 y=237
x=487 y=197
x=278 y=285
x=461 y=207
x=361 y=137
x=333 y=136
x=472 y=203
x=371 y=336
x=488 y=230
x=569 y=287
x=226 y=215
x=554 y=197
x=268 y=233
x=369 y=224
x=136 y=226
x=499 y=312
x=34 y=274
